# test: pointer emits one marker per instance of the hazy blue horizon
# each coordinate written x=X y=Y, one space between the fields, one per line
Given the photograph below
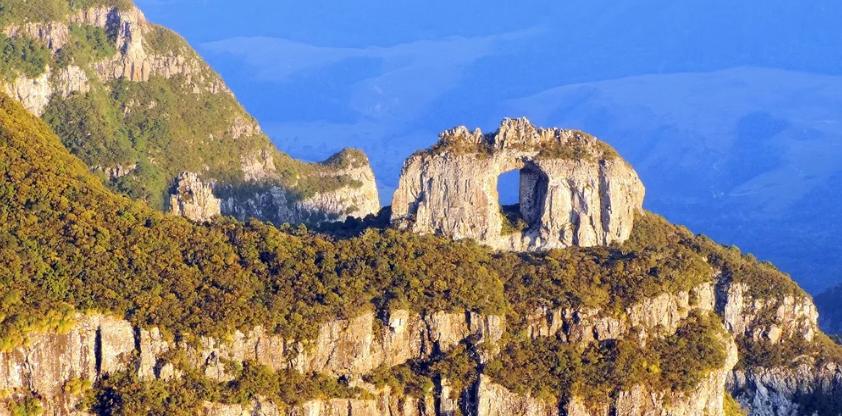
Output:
x=731 y=113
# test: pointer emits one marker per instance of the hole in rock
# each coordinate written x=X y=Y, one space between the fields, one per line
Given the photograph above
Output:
x=522 y=193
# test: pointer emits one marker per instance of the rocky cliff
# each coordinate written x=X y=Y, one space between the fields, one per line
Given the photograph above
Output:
x=98 y=345
x=574 y=190
x=352 y=349
x=124 y=94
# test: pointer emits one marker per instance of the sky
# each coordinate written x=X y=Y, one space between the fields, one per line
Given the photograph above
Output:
x=730 y=111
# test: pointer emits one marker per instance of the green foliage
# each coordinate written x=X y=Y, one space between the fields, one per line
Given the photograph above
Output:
x=87 y=45
x=23 y=11
x=91 y=128
x=551 y=369
x=58 y=223
x=512 y=220
x=163 y=40
x=30 y=11
x=578 y=146
x=289 y=386
x=762 y=278
x=124 y=394
x=732 y=407
x=460 y=367
x=29 y=406
x=22 y=56
x=789 y=352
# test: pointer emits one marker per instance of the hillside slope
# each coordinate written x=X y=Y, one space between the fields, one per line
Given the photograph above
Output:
x=226 y=318
x=140 y=107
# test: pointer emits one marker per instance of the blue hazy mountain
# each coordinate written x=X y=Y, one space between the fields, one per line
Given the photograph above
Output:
x=730 y=111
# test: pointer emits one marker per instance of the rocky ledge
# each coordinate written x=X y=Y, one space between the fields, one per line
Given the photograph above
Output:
x=574 y=189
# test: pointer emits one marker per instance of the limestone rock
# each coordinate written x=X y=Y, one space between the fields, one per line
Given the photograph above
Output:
x=96 y=345
x=768 y=319
x=270 y=201
x=193 y=199
x=656 y=316
x=801 y=389
x=33 y=93
x=574 y=189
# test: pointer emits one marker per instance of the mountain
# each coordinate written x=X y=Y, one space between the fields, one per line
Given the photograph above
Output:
x=730 y=121
x=111 y=307
x=155 y=122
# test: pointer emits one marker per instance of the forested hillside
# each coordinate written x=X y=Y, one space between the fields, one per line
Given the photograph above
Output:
x=71 y=245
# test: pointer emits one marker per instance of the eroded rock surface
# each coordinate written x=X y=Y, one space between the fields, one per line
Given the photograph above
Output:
x=574 y=189
x=194 y=199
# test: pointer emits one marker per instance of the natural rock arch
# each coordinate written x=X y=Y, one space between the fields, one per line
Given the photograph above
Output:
x=574 y=189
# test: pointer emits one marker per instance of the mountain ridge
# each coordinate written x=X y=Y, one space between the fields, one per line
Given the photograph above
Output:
x=140 y=107
x=185 y=299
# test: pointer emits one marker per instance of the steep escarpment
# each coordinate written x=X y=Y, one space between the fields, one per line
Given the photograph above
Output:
x=574 y=189
x=141 y=109
x=110 y=307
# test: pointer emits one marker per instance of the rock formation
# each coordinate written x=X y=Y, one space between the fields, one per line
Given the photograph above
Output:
x=99 y=345
x=269 y=201
x=193 y=199
x=574 y=189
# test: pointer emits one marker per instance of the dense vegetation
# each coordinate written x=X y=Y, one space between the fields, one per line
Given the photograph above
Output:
x=124 y=394
x=58 y=222
x=21 y=56
x=69 y=244
x=549 y=368
x=29 y=11
x=87 y=45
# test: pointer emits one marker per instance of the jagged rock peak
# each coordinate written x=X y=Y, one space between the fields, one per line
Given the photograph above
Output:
x=193 y=198
x=520 y=134
x=574 y=189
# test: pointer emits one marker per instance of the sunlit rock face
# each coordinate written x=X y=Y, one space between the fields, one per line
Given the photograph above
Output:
x=574 y=189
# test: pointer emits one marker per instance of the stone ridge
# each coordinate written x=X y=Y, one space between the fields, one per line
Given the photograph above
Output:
x=574 y=189
x=520 y=134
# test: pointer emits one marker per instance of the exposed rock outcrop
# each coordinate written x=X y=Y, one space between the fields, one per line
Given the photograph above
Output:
x=574 y=189
x=657 y=316
x=193 y=199
x=98 y=345
x=355 y=197
x=800 y=389
x=768 y=319
x=808 y=385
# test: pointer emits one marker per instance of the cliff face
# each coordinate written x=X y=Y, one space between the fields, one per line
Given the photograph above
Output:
x=98 y=345
x=574 y=190
x=356 y=198
x=110 y=67
x=808 y=384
